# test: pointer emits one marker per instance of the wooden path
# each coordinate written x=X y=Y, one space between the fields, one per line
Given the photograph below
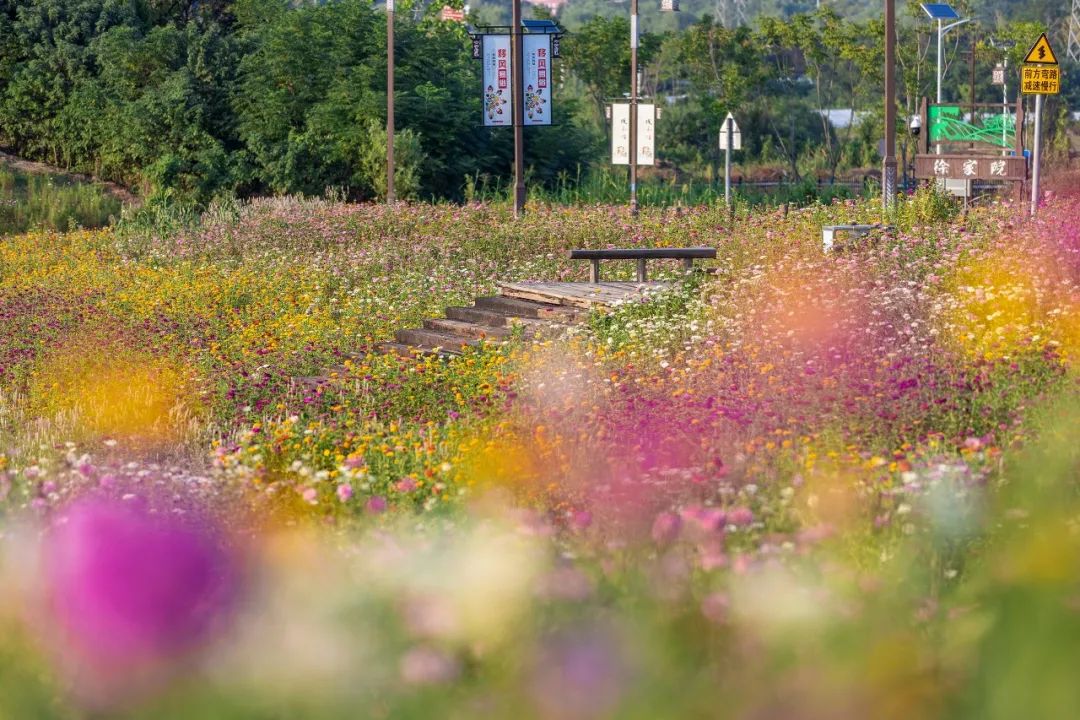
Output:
x=537 y=308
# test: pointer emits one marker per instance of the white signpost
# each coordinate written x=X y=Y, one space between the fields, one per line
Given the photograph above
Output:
x=730 y=139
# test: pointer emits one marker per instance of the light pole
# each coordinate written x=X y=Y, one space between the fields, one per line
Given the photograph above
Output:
x=517 y=63
x=942 y=12
x=666 y=6
x=888 y=171
x=1005 y=46
x=390 y=101
x=633 y=105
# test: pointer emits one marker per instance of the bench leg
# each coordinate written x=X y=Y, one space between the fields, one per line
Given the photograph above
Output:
x=688 y=264
x=594 y=271
x=641 y=270
x=827 y=239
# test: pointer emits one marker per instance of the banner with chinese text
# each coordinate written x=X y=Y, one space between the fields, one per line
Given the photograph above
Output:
x=620 y=134
x=537 y=78
x=497 y=88
x=646 y=134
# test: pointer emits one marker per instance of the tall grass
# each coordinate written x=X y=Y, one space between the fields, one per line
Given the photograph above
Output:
x=31 y=200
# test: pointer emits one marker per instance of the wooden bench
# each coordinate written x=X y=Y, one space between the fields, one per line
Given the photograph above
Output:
x=641 y=255
x=828 y=233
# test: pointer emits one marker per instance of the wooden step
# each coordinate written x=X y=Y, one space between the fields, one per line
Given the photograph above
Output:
x=491 y=318
x=467 y=329
x=432 y=340
x=526 y=308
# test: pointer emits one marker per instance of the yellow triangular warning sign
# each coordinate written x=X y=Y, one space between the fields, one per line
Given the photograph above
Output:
x=1041 y=52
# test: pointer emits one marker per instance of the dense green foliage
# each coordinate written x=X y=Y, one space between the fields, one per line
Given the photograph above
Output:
x=248 y=97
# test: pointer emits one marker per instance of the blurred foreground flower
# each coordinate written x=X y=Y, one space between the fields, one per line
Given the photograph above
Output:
x=130 y=594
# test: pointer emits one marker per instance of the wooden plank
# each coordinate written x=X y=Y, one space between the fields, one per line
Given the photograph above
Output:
x=533 y=292
x=584 y=295
x=561 y=294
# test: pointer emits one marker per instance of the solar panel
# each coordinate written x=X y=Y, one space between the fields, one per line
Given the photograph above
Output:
x=540 y=26
x=940 y=11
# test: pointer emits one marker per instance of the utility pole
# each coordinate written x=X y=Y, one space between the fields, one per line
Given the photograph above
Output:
x=633 y=105
x=517 y=63
x=888 y=175
x=390 y=101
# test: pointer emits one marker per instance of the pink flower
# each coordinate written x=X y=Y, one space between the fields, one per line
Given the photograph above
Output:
x=376 y=505
x=580 y=519
x=666 y=527
x=715 y=607
x=741 y=516
x=310 y=495
x=406 y=485
x=344 y=492
x=428 y=666
x=704 y=519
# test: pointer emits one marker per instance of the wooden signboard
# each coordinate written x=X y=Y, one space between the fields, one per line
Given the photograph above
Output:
x=970 y=167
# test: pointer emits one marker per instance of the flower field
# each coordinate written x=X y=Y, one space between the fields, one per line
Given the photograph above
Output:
x=796 y=486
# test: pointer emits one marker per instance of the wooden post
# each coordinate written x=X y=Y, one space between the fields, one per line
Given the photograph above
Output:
x=594 y=271
x=641 y=270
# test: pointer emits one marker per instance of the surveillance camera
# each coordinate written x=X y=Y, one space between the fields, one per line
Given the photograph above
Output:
x=915 y=125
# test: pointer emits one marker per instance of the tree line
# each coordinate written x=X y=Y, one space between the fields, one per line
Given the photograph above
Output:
x=198 y=98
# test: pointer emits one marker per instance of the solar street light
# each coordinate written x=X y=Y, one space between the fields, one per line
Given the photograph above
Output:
x=942 y=12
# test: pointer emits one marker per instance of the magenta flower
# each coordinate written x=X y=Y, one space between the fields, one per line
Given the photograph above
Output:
x=130 y=592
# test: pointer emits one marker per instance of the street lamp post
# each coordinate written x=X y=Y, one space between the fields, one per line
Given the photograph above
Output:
x=390 y=101
x=1005 y=46
x=517 y=62
x=888 y=170
x=665 y=6
x=941 y=30
x=633 y=105
x=942 y=12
